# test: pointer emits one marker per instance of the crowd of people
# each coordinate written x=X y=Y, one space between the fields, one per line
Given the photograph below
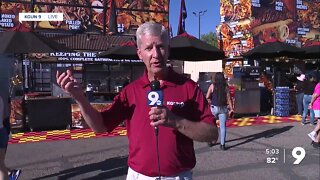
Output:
x=308 y=102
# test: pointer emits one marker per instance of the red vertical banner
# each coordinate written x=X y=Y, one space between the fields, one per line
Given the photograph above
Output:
x=182 y=18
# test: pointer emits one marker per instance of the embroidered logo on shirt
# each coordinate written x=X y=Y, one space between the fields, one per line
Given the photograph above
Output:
x=175 y=104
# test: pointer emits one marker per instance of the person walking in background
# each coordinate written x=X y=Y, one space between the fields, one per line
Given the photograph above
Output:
x=3 y=143
x=299 y=92
x=315 y=105
x=4 y=138
x=308 y=88
x=218 y=95
x=184 y=116
x=315 y=135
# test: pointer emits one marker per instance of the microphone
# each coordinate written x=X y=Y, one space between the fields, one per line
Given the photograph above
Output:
x=155 y=96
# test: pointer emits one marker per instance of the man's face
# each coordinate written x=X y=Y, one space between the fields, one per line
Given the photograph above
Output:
x=153 y=51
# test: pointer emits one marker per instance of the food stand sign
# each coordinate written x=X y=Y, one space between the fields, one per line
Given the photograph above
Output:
x=231 y=10
x=308 y=21
x=274 y=20
x=86 y=57
x=75 y=18
x=236 y=37
x=90 y=17
x=79 y=15
x=9 y=16
x=130 y=14
x=235 y=28
x=84 y=15
x=229 y=67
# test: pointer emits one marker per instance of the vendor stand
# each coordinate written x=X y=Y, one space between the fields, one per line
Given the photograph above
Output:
x=281 y=60
x=247 y=92
x=87 y=27
x=102 y=80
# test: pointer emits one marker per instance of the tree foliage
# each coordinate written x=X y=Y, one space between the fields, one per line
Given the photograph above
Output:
x=210 y=38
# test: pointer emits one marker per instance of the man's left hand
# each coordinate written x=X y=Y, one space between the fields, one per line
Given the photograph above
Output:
x=162 y=116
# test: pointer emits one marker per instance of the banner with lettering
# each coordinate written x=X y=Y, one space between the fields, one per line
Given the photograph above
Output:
x=75 y=18
x=236 y=37
x=9 y=16
x=232 y=10
x=308 y=19
x=274 y=20
x=86 y=15
x=128 y=21
x=77 y=57
x=132 y=13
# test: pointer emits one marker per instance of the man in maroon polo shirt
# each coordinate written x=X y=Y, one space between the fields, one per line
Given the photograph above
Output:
x=184 y=116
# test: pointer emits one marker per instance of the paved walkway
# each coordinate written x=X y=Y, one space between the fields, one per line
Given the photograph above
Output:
x=245 y=158
x=73 y=134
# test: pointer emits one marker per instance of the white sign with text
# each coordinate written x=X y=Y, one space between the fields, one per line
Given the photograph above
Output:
x=40 y=17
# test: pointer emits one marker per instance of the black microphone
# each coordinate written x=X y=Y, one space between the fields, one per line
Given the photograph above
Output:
x=155 y=85
x=155 y=96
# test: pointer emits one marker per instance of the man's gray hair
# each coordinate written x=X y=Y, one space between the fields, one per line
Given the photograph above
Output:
x=152 y=29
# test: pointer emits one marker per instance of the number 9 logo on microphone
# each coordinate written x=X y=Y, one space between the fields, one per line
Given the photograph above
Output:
x=155 y=98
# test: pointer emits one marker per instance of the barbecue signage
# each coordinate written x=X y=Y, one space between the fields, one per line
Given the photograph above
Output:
x=308 y=21
x=232 y=10
x=9 y=16
x=236 y=37
x=273 y=20
x=75 y=18
x=83 y=15
x=85 y=57
x=130 y=14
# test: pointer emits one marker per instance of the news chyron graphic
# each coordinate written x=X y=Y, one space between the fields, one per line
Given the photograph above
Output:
x=40 y=17
x=276 y=155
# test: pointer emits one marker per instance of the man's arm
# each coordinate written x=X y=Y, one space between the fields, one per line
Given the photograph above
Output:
x=198 y=131
x=92 y=117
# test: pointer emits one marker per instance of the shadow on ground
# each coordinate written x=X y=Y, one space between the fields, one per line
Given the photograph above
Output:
x=110 y=168
x=247 y=139
x=265 y=134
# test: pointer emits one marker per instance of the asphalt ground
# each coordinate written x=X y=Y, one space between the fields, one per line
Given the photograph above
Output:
x=245 y=158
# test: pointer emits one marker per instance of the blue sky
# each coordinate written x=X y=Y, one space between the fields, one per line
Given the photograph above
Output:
x=208 y=21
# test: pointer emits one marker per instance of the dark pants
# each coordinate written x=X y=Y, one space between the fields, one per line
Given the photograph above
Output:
x=6 y=124
x=299 y=98
x=306 y=102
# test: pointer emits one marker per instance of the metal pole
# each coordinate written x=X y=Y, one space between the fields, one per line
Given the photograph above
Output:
x=199 y=14
x=199 y=26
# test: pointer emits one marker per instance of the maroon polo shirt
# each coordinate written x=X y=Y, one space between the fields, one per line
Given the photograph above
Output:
x=184 y=98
